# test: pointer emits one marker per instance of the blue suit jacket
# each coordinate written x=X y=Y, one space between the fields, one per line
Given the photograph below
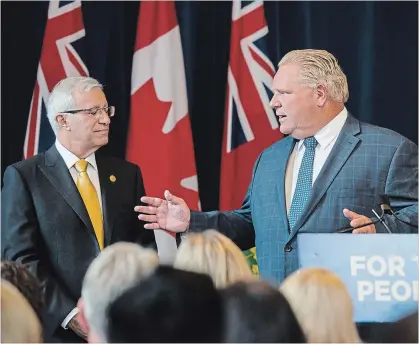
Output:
x=366 y=161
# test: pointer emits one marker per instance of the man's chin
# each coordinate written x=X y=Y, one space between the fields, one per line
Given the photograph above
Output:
x=284 y=130
x=102 y=142
x=295 y=133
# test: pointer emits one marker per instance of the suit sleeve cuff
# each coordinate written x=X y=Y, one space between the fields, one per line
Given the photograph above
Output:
x=184 y=235
x=70 y=316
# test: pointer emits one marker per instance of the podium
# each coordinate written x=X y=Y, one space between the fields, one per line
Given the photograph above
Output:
x=380 y=271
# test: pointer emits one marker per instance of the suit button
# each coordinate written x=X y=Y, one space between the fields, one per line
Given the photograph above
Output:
x=287 y=248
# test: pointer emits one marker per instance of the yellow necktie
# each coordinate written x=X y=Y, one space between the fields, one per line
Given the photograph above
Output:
x=91 y=201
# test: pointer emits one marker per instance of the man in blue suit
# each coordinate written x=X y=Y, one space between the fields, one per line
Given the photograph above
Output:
x=329 y=172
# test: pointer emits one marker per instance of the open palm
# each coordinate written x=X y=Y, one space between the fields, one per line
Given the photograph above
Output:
x=171 y=213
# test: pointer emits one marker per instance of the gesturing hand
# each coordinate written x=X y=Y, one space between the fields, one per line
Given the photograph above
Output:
x=171 y=213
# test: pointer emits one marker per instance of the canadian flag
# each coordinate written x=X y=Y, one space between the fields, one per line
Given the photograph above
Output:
x=159 y=135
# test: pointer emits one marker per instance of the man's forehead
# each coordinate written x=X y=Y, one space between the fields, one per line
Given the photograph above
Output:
x=287 y=73
x=290 y=69
x=94 y=97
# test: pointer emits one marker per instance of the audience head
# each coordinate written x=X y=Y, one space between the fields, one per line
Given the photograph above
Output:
x=405 y=330
x=19 y=322
x=257 y=312
x=170 y=306
x=117 y=268
x=212 y=253
x=322 y=305
x=27 y=283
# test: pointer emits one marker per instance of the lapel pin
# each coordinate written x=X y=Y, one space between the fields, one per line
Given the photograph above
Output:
x=112 y=178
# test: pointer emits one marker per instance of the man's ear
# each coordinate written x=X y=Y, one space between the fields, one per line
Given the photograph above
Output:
x=82 y=318
x=321 y=95
x=62 y=121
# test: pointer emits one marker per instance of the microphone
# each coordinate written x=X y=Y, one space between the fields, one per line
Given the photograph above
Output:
x=388 y=210
x=384 y=209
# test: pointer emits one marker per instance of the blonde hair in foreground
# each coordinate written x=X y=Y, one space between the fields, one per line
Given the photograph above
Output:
x=319 y=67
x=19 y=322
x=322 y=305
x=212 y=253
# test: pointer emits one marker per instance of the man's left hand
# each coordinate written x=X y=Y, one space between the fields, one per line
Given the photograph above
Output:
x=358 y=220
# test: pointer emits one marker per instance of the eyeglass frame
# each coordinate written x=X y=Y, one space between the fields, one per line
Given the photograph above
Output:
x=89 y=111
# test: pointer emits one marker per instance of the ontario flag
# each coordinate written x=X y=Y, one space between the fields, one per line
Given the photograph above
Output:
x=250 y=125
x=159 y=135
x=61 y=57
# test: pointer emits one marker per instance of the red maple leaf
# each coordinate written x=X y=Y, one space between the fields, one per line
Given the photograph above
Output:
x=165 y=159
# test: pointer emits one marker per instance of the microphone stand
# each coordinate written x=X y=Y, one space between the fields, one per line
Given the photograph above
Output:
x=382 y=220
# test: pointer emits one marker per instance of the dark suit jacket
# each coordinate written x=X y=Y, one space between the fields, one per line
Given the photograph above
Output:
x=366 y=161
x=46 y=225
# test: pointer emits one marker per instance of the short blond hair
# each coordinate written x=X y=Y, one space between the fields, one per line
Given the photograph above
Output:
x=212 y=253
x=319 y=67
x=19 y=322
x=322 y=305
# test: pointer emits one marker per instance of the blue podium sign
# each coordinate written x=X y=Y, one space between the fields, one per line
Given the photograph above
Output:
x=379 y=270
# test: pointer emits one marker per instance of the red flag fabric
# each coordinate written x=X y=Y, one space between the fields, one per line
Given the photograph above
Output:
x=61 y=57
x=250 y=124
x=160 y=136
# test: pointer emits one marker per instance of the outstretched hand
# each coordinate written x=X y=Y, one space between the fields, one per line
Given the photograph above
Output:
x=171 y=213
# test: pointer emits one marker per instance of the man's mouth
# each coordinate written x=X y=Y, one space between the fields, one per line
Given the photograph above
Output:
x=279 y=114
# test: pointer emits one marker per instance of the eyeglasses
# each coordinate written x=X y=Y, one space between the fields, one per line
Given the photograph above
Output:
x=109 y=110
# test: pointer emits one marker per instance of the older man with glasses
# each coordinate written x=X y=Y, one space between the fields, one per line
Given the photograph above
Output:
x=62 y=207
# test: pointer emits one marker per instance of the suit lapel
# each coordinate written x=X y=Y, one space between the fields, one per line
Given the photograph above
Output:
x=343 y=148
x=56 y=171
x=107 y=179
x=286 y=151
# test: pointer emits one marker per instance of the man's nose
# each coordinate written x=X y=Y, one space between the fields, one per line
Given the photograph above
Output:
x=104 y=118
x=274 y=103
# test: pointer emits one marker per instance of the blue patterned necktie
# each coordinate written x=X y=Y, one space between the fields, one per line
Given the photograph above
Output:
x=304 y=182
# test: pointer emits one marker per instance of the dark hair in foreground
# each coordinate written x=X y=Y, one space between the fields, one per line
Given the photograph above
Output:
x=27 y=283
x=256 y=312
x=169 y=306
x=405 y=330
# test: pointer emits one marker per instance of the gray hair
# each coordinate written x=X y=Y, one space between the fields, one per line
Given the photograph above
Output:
x=62 y=96
x=319 y=67
x=115 y=270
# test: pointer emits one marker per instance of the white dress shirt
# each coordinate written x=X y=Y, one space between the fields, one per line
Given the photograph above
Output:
x=326 y=139
x=70 y=159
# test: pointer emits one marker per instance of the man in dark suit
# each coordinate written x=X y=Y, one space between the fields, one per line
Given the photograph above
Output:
x=61 y=207
x=329 y=172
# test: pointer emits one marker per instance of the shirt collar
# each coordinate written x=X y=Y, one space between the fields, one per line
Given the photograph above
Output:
x=330 y=131
x=70 y=159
